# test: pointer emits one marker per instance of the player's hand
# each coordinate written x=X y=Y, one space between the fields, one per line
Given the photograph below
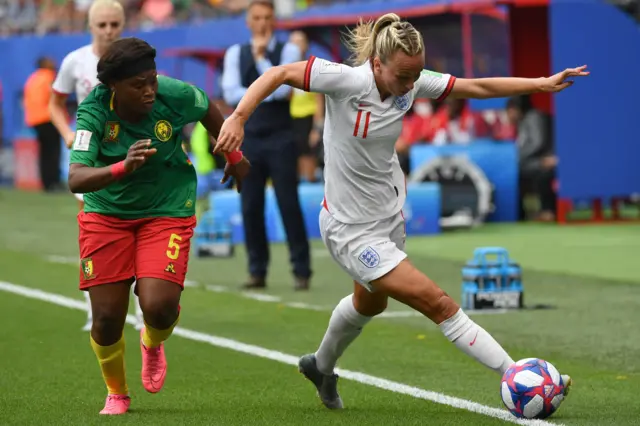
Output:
x=231 y=135
x=138 y=154
x=559 y=82
x=238 y=171
x=69 y=138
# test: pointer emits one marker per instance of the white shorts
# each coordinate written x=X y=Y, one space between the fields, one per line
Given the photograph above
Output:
x=366 y=251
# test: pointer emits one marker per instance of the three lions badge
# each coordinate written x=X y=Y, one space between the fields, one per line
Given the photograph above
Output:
x=369 y=257
x=403 y=102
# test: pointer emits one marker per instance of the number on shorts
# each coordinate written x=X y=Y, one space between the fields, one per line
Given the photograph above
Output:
x=174 y=247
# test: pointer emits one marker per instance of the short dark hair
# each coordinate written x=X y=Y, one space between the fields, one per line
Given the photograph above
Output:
x=42 y=62
x=123 y=58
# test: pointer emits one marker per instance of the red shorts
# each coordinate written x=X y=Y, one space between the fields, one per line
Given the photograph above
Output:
x=114 y=250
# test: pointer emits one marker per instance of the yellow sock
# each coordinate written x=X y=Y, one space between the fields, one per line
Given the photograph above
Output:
x=152 y=338
x=111 y=359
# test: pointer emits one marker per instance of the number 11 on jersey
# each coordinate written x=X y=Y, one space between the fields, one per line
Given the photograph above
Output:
x=365 y=129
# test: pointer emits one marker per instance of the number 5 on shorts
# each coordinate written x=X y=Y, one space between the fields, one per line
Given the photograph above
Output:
x=174 y=247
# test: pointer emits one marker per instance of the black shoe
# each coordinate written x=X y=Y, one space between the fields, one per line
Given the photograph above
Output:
x=301 y=284
x=255 y=283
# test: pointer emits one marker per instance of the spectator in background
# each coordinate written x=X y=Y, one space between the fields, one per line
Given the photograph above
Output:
x=307 y=110
x=37 y=92
x=156 y=14
x=416 y=128
x=55 y=16
x=268 y=145
x=80 y=13
x=18 y=16
x=537 y=163
x=455 y=123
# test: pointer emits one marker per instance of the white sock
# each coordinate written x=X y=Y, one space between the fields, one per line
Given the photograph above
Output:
x=473 y=340
x=344 y=326
x=88 y=299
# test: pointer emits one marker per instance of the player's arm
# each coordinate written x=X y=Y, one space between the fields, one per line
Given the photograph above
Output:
x=314 y=75
x=290 y=55
x=63 y=85
x=196 y=106
x=484 y=88
x=212 y=121
x=59 y=117
x=84 y=176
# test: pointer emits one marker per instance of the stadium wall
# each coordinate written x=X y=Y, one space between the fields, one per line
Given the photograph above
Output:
x=597 y=123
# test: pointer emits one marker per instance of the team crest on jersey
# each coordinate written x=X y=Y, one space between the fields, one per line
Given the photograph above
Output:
x=402 y=102
x=111 y=131
x=369 y=257
x=87 y=268
x=163 y=130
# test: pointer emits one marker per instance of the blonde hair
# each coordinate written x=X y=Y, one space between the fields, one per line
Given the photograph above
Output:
x=383 y=37
x=104 y=4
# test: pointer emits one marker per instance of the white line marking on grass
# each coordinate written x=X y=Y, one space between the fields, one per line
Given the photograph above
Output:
x=260 y=352
x=70 y=260
x=260 y=297
x=65 y=260
x=306 y=306
x=267 y=298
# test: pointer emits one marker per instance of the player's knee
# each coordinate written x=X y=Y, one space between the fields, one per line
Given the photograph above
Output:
x=107 y=326
x=441 y=306
x=369 y=304
x=160 y=312
x=370 y=307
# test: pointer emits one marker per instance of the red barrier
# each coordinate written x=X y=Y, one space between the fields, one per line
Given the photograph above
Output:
x=26 y=159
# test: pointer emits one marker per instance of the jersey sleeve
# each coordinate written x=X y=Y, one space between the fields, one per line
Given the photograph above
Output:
x=196 y=103
x=65 y=83
x=332 y=79
x=86 y=144
x=192 y=101
x=434 y=85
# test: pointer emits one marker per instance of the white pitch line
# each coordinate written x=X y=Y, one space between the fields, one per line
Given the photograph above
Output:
x=261 y=352
x=267 y=298
x=64 y=260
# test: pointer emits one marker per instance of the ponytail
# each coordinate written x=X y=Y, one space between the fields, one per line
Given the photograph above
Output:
x=382 y=38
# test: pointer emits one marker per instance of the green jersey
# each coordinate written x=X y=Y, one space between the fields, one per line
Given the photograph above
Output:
x=166 y=184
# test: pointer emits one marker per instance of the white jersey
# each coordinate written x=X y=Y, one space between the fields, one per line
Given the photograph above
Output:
x=78 y=73
x=363 y=178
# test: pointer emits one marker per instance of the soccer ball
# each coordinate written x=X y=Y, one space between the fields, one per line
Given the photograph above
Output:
x=532 y=389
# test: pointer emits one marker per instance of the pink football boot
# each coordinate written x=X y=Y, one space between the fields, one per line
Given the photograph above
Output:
x=154 y=366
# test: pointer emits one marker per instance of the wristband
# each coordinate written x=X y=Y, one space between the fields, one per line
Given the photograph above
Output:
x=118 y=171
x=233 y=157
